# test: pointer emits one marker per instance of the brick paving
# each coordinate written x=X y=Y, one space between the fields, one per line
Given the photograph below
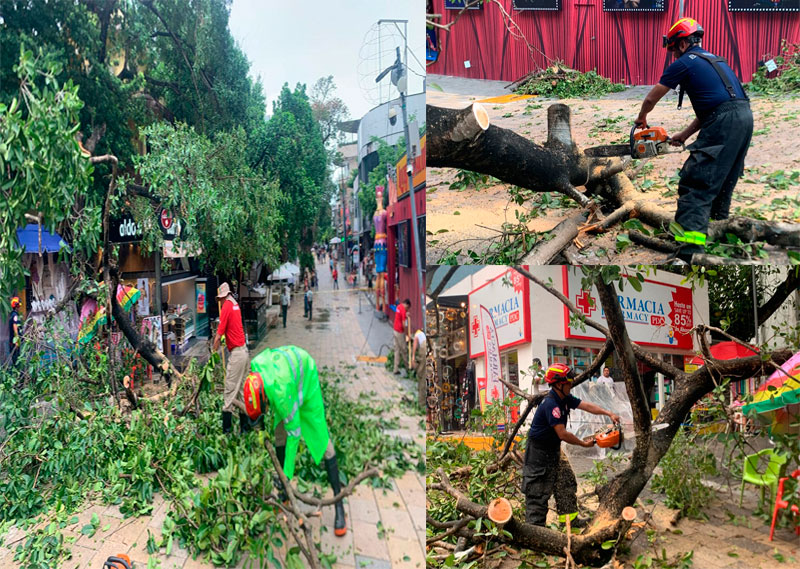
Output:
x=386 y=527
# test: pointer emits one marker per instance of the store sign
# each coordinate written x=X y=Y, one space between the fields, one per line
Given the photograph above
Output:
x=507 y=299
x=661 y=314
x=170 y=227
x=124 y=229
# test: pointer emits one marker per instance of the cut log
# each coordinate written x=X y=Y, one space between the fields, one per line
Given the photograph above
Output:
x=544 y=252
x=628 y=513
x=499 y=511
x=506 y=155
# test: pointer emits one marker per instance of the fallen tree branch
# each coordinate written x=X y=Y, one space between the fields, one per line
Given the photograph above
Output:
x=345 y=492
x=545 y=251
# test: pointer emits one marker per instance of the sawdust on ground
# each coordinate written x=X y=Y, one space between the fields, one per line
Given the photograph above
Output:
x=468 y=219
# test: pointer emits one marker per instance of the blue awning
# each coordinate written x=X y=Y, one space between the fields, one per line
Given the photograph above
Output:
x=29 y=240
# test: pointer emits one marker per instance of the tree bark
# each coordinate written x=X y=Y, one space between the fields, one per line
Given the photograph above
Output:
x=545 y=251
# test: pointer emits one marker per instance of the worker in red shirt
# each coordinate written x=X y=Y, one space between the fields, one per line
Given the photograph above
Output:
x=400 y=335
x=230 y=326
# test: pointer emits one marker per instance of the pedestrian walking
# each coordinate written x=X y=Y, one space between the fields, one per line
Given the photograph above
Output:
x=400 y=335
x=314 y=280
x=284 y=305
x=305 y=301
x=725 y=122
x=545 y=470
x=310 y=303
x=230 y=326
x=330 y=264
x=287 y=379
x=335 y=279
x=14 y=331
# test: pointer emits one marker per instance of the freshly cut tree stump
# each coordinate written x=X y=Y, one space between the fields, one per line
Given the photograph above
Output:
x=500 y=511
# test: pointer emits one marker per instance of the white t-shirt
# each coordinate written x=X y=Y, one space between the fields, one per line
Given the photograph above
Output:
x=606 y=380
x=420 y=337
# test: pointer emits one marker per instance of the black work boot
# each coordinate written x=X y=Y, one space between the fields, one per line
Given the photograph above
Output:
x=339 y=523
x=227 y=420
x=245 y=426
x=280 y=452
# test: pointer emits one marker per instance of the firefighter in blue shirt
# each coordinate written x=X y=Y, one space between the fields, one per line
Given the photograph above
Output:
x=725 y=122
x=546 y=471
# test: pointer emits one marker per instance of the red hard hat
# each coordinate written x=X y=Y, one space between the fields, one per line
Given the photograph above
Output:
x=254 y=395
x=15 y=302
x=557 y=373
x=681 y=30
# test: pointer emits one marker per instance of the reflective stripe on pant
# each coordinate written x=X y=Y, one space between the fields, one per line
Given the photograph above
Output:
x=546 y=473
x=235 y=374
x=710 y=174
x=281 y=436
x=400 y=350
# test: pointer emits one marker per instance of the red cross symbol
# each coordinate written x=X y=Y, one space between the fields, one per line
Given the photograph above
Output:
x=476 y=326
x=585 y=302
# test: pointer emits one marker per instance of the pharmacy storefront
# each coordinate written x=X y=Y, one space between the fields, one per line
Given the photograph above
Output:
x=534 y=329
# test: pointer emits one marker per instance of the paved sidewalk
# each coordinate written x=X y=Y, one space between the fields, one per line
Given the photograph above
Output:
x=386 y=528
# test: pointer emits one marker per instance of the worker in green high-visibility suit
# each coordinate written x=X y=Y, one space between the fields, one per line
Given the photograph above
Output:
x=287 y=379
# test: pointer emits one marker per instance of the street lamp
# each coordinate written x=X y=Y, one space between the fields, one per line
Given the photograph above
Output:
x=399 y=79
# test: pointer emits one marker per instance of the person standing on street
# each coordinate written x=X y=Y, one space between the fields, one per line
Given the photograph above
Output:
x=287 y=379
x=546 y=470
x=310 y=303
x=400 y=335
x=284 y=304
x=420 y=359
x=230 y=326
x=606 y=377
x=14 y=331
x=335 y=279
x=725 y=122
x=305 y=301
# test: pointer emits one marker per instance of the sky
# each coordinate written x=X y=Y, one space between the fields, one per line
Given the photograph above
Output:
x=301 y=41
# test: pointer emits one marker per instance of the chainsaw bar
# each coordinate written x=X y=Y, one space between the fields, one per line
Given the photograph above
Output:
x=608 y=151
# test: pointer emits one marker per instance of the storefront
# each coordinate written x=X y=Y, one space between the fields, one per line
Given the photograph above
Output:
x=451 y=393
x=172 y=310
x=402 y=279
x=534 y=329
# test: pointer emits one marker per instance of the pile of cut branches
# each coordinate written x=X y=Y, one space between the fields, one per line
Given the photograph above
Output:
x=561 y=82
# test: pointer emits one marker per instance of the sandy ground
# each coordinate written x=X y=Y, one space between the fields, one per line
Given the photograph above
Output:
x=466 y=219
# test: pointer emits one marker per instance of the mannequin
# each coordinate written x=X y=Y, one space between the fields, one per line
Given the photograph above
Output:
x=379 y=219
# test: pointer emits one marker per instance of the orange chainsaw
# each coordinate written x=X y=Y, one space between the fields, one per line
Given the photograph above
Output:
x=649 y=142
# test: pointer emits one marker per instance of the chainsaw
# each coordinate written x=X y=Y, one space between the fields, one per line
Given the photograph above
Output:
x=653 y=141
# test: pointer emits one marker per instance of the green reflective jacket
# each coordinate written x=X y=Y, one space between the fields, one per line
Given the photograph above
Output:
x=291 y=384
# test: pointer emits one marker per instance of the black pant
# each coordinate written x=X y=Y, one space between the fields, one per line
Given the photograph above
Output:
x=709 y=175
x=284 y=310
x=310 y=306
x=546 y=472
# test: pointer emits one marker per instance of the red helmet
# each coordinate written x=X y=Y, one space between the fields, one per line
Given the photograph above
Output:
x=557 y=373
x=681 y=30
x=15 y=302
x=254 y=395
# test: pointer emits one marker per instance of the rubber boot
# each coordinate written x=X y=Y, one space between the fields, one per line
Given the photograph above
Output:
x=339 y=523
x=280 y=452
x=227 y=420
x=245 y=426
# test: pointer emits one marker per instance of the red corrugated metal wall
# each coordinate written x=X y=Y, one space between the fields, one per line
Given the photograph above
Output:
x=625 y=47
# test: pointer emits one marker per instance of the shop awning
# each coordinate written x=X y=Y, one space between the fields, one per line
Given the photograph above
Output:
x=29 y=240
x=726 y=351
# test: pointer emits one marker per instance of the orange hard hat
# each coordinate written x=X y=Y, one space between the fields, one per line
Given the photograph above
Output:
x=254 y=395
x=15 y=302
x=557 y=373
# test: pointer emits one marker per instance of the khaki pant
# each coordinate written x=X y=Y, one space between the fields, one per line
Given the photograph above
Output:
x=235 y=374
x=281 y=435
x=422 y=380
x=400 y=350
